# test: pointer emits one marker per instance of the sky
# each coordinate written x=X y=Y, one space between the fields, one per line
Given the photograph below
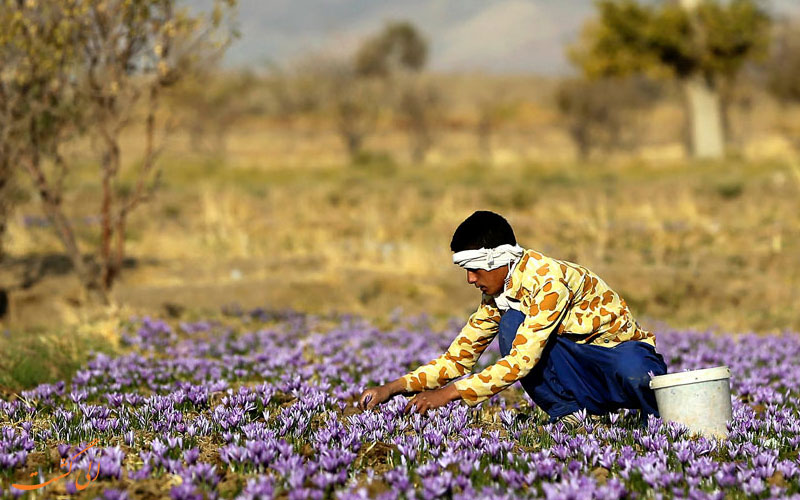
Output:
x=498 y=36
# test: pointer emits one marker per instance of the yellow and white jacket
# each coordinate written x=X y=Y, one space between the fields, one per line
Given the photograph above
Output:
x=555 y=296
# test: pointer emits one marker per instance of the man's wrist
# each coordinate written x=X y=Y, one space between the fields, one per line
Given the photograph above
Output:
x=397 y=386
x=452 y=393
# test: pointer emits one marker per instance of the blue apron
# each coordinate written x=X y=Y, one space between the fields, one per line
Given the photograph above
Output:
x=571 y=376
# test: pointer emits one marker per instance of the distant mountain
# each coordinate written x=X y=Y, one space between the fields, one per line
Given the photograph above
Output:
x=488 y=35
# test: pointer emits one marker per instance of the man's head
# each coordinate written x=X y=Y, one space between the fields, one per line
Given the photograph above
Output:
x=484 y=230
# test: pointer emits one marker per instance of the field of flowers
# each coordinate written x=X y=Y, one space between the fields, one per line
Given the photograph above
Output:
x=261 y=405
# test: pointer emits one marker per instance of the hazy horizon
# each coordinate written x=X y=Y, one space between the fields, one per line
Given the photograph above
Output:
x=463 y=35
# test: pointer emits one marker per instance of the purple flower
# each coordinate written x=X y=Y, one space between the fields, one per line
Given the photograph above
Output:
x=69 y=486
x=305 y=493
x=185 y=491
x=438 y=485
x=191 y=455
x=114 y=494
x=205 y=370
x=258 y=488
x=754 y=486
x=142 y=473
x=201 y=473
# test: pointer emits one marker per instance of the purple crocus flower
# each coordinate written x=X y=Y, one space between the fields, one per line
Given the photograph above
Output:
x=185 y=491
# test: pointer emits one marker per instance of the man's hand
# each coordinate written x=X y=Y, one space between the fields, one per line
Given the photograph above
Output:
x=377 y=395
x=429 y=400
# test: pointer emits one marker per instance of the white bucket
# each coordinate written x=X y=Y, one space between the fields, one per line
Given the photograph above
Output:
x=699 y=399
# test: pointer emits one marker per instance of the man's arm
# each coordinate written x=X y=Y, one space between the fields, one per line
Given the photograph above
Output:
x=459 y=358
x=462 y=354
x=544 y=308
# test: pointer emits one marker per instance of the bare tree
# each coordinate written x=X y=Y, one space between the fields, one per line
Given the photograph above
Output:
x=351 y=100
x=99 y=69
x=783 y=72
x=293 y=90
x=493 y=107
x=40 y=106
x=418 y=103
x=396 y=57
x=601 y=114
x=211 y=101
x=355 y=107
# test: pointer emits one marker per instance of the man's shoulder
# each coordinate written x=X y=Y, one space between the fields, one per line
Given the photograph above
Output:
x=536 y=269
x=535 y=263
x=527 y=274
x=529 y=258
x=530 y=253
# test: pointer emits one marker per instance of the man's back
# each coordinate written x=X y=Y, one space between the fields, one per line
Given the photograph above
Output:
x=594 y=313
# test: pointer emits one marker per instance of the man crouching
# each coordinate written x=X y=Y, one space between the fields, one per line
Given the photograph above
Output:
x=568 y=338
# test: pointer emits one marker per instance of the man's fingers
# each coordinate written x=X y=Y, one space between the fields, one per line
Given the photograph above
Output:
x=366 y=397
x=418 y=404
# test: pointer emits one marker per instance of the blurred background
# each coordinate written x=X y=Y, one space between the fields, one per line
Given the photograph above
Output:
x=178 y=158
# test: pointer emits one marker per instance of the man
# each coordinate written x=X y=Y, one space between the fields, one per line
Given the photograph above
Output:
x=567 y=337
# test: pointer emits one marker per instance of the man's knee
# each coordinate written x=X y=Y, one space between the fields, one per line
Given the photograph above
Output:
x=635 y=370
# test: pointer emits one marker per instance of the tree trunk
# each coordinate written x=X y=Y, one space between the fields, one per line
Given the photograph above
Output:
x=579 y=131
x=353 y=141
x=706 y=138
x=420 y=143
x=484 y=133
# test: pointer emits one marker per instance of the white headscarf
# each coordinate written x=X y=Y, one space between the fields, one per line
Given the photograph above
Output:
x=489 y=259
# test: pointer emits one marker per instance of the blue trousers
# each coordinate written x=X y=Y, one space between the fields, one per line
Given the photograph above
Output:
x=571 y=376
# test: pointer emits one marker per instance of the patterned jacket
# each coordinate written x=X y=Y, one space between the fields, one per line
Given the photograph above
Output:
x=555 y=296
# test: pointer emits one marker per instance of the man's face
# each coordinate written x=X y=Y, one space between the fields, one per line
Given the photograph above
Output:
x=489 y=282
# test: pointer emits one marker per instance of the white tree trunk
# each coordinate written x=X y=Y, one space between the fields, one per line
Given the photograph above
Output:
x=706 y=137
x=706 y=134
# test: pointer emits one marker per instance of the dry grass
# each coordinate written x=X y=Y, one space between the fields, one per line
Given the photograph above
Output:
x=282 y=220
x=690 y=244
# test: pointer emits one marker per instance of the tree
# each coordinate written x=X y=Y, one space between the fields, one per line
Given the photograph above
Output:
x=417 y=102
x=396 y=56
x=211 y=102
x=350 y=99
x=597 y=111
x=40 y=105
x=294 y=90
x=398 y=47
x=783 y=71
x=493 y=108
x=88 y=68
x=700 y=43
x=329 y=85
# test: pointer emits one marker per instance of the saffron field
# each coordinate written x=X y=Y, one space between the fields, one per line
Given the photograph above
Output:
x=262 y=405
